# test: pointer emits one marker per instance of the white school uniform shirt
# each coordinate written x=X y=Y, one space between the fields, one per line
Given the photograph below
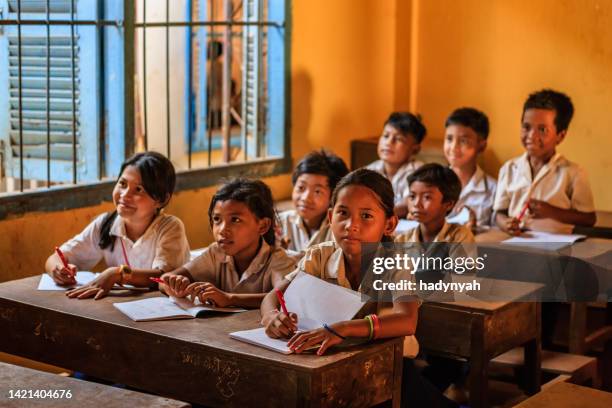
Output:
x=163 y=245
x=559 y=182
x=269 y=267
x=478 y=194
x=399 y=180
x=293 y=228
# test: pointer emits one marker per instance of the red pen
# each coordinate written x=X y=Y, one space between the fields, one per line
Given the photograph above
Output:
x=281 y=299
x=158 y=280
x=127 y=262
x=523 y=211
x=63 y=258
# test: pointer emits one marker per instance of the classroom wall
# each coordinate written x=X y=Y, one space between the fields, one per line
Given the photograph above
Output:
x=492 y=54
x=343 y=77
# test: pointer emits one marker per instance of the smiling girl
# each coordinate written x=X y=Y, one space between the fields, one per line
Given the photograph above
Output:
x=136 y=240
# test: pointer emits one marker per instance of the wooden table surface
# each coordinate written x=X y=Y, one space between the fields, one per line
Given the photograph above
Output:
x=15 y=380
x=566 y=395
x=191 y=360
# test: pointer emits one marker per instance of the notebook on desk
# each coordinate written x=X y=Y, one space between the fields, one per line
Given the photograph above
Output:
x=544 y=240
x=315 y=302
x=169 y=308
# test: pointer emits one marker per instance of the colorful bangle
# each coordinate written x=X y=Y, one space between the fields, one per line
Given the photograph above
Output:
x=371 y=324
x=376 y=322
x=332 y=331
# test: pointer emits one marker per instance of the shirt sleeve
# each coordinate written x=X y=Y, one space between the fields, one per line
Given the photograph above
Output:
x=281 y=266
x=310 y=264
x=172 y=250
x=581 y=195
x=83 y=250
x=502 y=198
x=203 y=268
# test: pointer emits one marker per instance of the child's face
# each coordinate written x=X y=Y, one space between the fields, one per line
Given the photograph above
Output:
x=395 y=147
x=462 y=145
x=133 y=203
x=358 y=217
x=311 y=195
x=425 y=203
x=539 y=134
x=235 y=228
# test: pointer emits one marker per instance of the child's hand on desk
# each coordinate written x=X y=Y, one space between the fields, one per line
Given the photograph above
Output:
x=64 y=276
x=99 y=287
x=279 y=325
x=308 y=339
x=541 y=209
x=176 y=285
x=207 y=292
x=511 y=225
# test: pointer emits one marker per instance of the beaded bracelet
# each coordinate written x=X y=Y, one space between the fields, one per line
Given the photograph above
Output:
x=369 y=319
x=332 y=331
x=376 y=323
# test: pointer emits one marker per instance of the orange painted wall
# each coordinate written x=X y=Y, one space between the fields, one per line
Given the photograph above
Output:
x=492 y=54
x=343 y=74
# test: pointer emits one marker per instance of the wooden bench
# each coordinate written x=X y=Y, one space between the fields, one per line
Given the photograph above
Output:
x=580 y=369
x=567 y=395
x=19 y=387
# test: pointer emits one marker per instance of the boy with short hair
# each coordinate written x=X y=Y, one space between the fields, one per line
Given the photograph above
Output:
x=555 y=190
x=314 y=180
x=467 y=130
x=400 y=141
x=434 y=190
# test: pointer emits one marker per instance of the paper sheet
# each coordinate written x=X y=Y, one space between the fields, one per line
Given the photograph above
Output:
x=544 y=240
x=82 y=278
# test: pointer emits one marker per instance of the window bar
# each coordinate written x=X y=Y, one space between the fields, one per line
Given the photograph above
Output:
x=167 y=77
x=226 y=90
x=48 y=93
x=74 y=149
x=209 y=86
x=19 y=80
x=144 y=75
x=189 y=82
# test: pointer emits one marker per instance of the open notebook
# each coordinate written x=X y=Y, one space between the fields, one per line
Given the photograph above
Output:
x=164 y=308
x=82 y=278
x=544 y=240
x=315 y=302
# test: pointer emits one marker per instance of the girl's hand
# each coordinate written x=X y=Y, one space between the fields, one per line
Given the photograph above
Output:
x=279 y=325
x=99 y=287
x=207 y=292
x=176 y=285
x=64 y=276
x=305 y=340
x=511 y=226
x=541 y=209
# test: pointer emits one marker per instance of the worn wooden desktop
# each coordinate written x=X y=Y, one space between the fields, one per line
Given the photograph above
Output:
x=190 y=360
x=16 y=384
x=479 y=331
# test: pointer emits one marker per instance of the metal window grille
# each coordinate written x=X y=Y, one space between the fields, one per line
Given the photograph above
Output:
x=224 y=107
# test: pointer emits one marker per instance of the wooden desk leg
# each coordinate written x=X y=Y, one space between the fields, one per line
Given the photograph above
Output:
x=533 y=357
x=577 y=329
x=479 y=365
x=398 y=355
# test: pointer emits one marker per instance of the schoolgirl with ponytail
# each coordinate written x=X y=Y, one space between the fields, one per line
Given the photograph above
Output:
x=136 y=241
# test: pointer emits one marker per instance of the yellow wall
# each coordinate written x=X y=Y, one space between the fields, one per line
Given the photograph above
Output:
x=492 y=54
x=342 y=76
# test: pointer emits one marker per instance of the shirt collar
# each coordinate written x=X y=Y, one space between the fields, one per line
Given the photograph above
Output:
x=256 y=265
x=118 y=228
x=416 y=234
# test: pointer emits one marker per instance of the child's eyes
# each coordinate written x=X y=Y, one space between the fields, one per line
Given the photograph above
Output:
x=236 y=220
x=122 y=183
x=216 y=219
x=366 y=216
x=139 y=189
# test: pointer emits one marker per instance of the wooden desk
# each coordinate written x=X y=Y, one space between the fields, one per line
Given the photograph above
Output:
x=76 y=393
x=566 y=395
x=480 y=331
x=190 y=360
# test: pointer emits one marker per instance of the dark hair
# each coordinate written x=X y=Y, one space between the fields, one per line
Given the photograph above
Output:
x=552 y=100
x=255 y=194
x=324 y=163
x=379 y=184
x=472 y=118
x=158 y=179
x=438 y=176
x=407 y=124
